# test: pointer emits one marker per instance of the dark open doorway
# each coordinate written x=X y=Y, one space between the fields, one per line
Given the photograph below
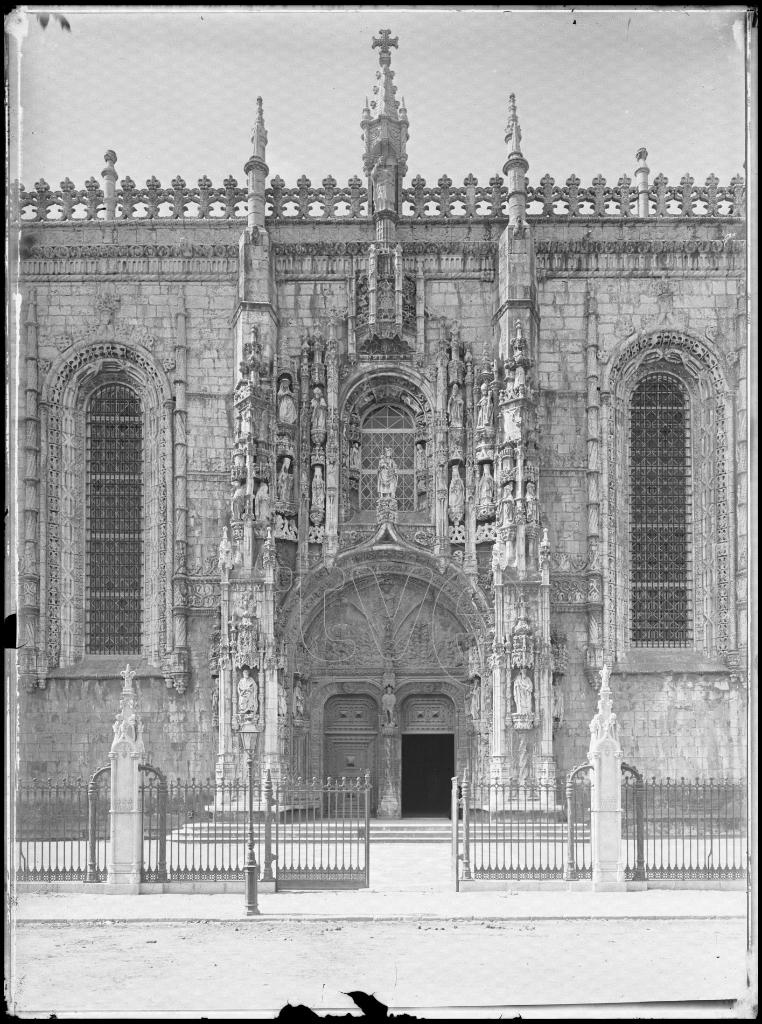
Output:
x=428 y=764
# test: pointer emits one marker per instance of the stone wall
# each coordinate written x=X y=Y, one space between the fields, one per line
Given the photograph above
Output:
x=637 y=276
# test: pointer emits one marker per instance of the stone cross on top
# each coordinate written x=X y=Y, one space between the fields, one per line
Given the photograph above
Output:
x=385 y=41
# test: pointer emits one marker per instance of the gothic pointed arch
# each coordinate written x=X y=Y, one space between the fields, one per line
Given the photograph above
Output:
x=690 y=367
x=81 y=373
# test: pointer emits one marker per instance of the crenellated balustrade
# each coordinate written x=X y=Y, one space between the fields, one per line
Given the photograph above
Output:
x=328 y=202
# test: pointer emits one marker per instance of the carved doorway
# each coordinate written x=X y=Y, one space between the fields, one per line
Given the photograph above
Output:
x=428 y=755
x=351 y=729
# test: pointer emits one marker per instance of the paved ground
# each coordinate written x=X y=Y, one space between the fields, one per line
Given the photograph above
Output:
x=235 y=967
x=409 y=938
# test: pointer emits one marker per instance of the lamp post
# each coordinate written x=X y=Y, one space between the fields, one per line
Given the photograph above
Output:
x=248 y=740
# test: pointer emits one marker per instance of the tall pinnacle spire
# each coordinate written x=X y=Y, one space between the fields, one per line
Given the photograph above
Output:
x=512 y=129
x=385 y=132
x=515 y=169
x=257 y=170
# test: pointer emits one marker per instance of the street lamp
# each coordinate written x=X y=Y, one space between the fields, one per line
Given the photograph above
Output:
x=248 y=741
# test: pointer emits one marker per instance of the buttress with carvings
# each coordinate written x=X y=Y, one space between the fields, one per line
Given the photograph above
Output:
x=383 y=473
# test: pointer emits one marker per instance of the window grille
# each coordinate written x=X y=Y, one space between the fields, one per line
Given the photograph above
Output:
x=388 y=427
x=659 y=514
x=115 y=521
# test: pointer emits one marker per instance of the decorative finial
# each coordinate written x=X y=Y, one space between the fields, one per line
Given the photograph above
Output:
x=605 y=676
x=384 y=41
x=128 y=675
x=512 y=129
x=259 y=133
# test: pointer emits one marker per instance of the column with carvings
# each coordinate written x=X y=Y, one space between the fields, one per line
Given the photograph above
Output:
x=29 y=551
x=594 y=651
x=176 y=671
x=331 y=543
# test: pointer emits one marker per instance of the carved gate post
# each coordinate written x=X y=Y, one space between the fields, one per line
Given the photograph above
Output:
x=127 y=751
x=605 y=755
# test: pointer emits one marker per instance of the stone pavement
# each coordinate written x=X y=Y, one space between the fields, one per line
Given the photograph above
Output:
x=376 y=904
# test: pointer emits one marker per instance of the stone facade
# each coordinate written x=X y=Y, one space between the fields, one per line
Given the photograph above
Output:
x=484 y=580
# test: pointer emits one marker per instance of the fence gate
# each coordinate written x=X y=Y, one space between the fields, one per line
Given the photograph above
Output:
x=579 y=854
x=322 y=833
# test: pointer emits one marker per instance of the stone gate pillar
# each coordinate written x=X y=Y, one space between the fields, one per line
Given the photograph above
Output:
x=127 y=751
x=605 y=755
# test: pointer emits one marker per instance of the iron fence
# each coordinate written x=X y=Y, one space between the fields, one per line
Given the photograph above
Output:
x=51 y=822
x=578 y=801
x=695 y=829
x=197 y=830
x=508 y=830
x=322 y=833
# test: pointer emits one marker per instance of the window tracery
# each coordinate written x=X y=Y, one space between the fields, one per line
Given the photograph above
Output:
x=659 y=514
x=388 y=426
x=114 y=548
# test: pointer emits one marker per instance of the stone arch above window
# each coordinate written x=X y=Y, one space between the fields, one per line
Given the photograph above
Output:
x=70 y=386
x=698 y=370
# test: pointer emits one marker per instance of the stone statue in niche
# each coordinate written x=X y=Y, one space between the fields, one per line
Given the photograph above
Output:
x=383 y=185
x=486 y=486
x=248 y=696
x=239 y=466
x=282 y=701
x=262 y=502
x=475 y=700
x=354 y=456
x=522 y=692
x=457 y=495
x=299 y=698
x=285 y=485
x=531 y=501
x=318 y=488
x=286 y=403
x=386 y=479
x=318 y=413
x=238 y=501
x=225 y=551
x=389 y=705
x=484 y=414
x=455 y=407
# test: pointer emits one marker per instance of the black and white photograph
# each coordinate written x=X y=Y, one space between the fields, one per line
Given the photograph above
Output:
x=381 y=512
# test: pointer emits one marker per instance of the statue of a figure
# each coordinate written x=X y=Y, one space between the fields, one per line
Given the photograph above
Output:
x=299 y=698
x=522 y=692
x=605 y=676
x=457 y=495
x=248 y=695
x=389 y=705
x=282 y=702
x=319 y=411
x=531 y=500
x=285 y=484
x=383 y=185
x=354 y=456
x=486 y=486
x=386 y=479
x=484 y=415
x=286 y=403
x=262 y=502
x=238 y=501
x=318 y=488
x=225 y=550
x=455 y=407
x=475 y=703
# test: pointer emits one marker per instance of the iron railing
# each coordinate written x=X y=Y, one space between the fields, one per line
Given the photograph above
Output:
x=196 y=831
x=578 y=793
x=51 y=831
x=508 y=830
x=695 y=829
x=322 y=833
x=98 y=824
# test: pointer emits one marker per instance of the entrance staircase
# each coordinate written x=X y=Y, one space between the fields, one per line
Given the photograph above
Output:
x=410 y=830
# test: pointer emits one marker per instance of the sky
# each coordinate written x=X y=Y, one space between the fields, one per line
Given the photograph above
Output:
x=173 y=90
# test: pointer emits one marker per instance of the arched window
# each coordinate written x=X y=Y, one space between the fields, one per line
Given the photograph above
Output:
x=388 y=426
x=114 y=521
x=659 y=514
